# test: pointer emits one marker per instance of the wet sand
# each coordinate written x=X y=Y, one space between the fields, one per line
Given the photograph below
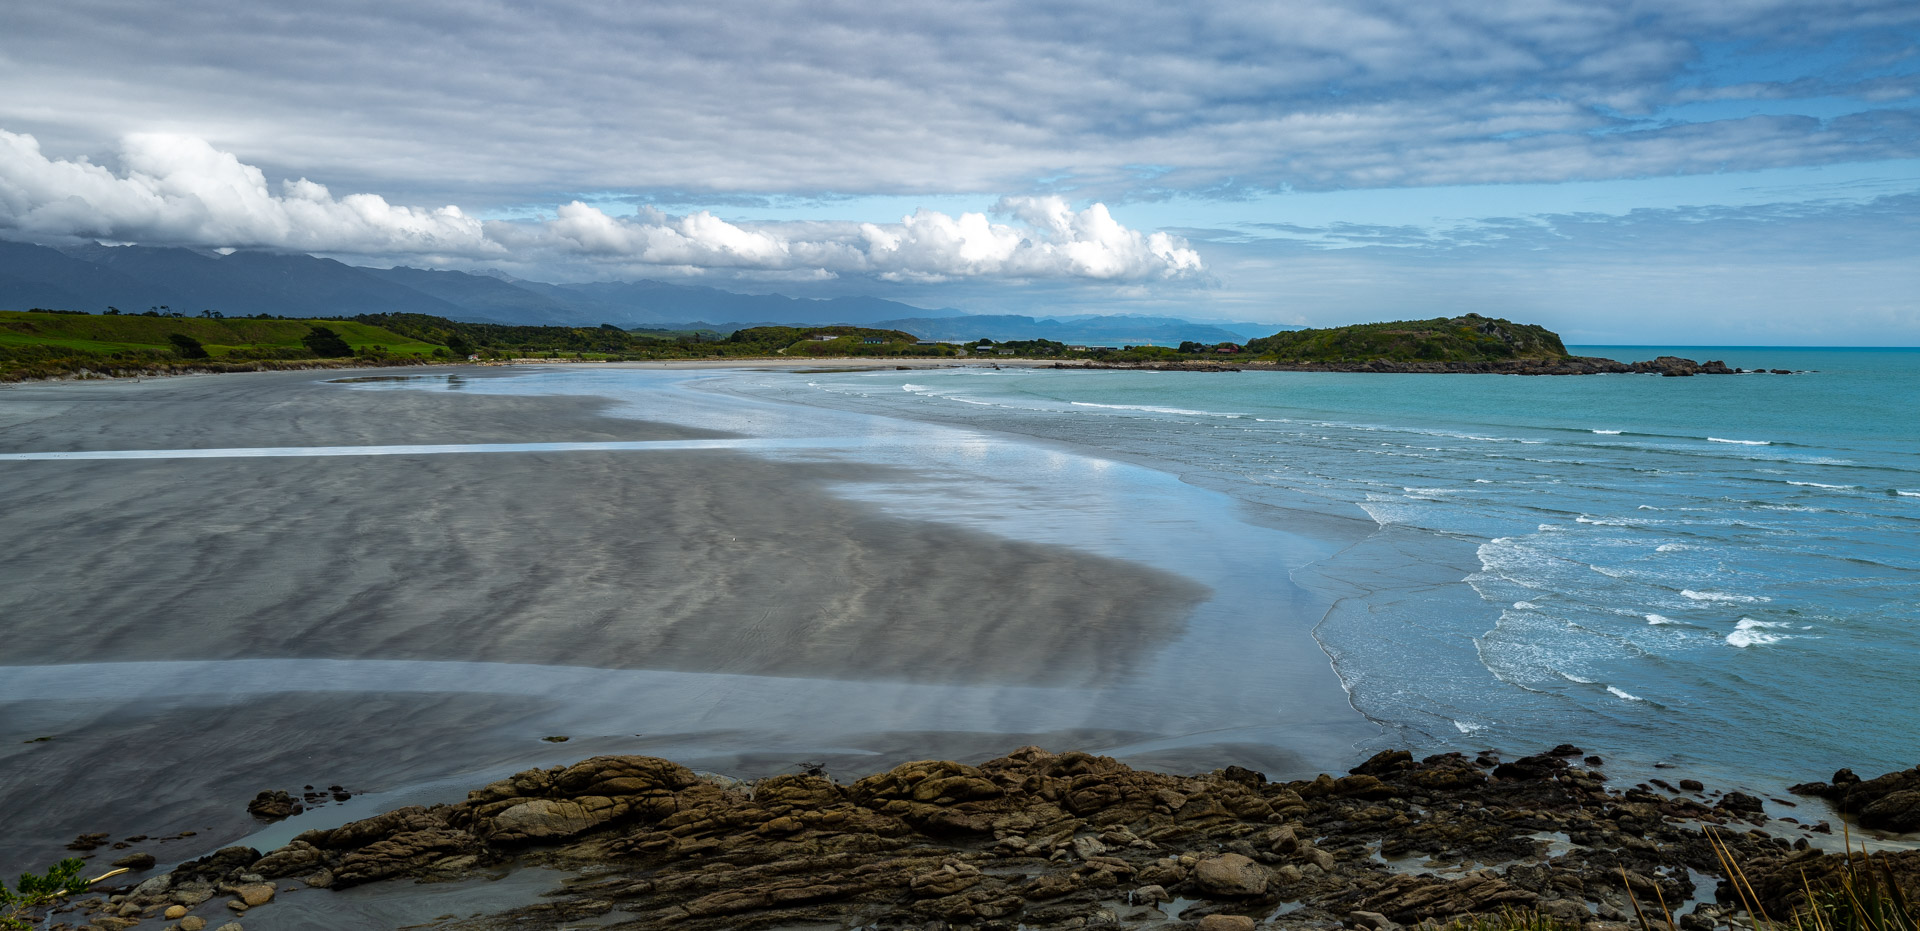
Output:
x=683 y=561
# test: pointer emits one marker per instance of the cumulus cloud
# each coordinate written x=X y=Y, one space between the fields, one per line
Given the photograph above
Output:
x=181 y=190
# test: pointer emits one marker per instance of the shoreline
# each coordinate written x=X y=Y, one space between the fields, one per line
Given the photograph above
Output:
x=1578 y=365
x=1038 y=839
x=169 y=688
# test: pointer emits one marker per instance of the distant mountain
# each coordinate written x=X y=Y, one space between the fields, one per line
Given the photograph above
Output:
x=653 y=303
x=1091 y=330
x=36 y=276
x=134 y=278
x=488 y=299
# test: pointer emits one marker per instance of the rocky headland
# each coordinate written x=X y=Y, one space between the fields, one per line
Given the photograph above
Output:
x=1668 y=366
x=1041 y=840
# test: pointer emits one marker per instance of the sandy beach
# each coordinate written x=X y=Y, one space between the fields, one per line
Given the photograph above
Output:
x=191 y=631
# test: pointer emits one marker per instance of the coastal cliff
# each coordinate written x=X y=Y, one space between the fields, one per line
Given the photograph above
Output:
x=1041 y=840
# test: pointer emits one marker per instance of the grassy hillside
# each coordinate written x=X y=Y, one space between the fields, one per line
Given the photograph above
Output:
x=1471 y=338
x=37 y=344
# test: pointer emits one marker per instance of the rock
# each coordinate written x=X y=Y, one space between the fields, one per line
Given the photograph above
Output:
x=1088 y=847
x=1540 y=766
x=1741 y=803
x=1895 y=811
x=136 y=861
x=1148 y=895
x=1408 y=899
x=1372 y=920
x=271 y=805
x=1384 y=763
x=545 y=818
x=153 y=887
x=231 y=926
x=193 y=922
x=1888 y=803
x=1230 y=874
x=174 y=912
x=1692 y=785
x=255 y=894
x=1565 y=750
x=1226 y=923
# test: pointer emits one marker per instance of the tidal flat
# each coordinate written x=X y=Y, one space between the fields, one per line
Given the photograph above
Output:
x=186 y=632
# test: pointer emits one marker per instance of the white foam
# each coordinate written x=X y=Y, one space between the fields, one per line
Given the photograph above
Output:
x=1822 y=485
x=1660 y=619
x=1723 y=597
x=1468 y=727
x=1671 y=547
x=1608 y=432
x=1906 y=494
x=1750 y=632
x=1525 y=606
x=1623 y=695
x=1715 y=439
x=1154 y=409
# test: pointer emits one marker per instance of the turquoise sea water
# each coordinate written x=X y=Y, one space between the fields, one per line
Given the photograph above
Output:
x=1722 y=572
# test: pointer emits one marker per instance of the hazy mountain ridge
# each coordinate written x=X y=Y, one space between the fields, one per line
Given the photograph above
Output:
x=134 y=278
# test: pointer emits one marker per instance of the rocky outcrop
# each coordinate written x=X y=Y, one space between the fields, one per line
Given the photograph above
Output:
x=1048 y=841
x=1889 y=803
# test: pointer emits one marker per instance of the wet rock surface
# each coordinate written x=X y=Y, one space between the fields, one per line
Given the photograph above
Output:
x=1043 y=840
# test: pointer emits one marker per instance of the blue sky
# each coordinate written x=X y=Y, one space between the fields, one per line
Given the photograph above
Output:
x=1742 y=171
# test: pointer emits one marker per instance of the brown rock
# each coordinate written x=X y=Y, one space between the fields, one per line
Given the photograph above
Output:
x=1226 y=923
x=192 y=923
x=1408 y=899
x=174 y=912
x=255 y=894
x=1230 y=874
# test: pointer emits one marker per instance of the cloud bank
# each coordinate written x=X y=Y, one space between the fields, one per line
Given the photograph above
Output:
x=181 y=190
x=495 y=103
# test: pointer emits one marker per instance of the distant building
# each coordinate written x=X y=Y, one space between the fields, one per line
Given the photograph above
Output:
x=872 y=341
x=1006 y=352
x=822 y=337
x=1228 y=347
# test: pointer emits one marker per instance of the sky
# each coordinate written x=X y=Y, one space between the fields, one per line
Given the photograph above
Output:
x=1733 y=172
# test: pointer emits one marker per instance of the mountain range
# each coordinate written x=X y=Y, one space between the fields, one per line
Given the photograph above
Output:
x=136 y=278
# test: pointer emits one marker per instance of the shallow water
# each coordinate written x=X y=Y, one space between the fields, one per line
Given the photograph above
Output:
x=1715 y=571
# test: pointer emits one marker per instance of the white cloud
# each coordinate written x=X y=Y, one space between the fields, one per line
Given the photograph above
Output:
x=181 y=190
x=491 y=104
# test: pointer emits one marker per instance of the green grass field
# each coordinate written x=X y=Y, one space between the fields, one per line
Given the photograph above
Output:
x=221 y=337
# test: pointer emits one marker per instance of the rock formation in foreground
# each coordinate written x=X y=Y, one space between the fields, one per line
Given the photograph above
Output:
x=1040 y=840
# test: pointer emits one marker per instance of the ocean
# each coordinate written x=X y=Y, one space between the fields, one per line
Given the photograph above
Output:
x=1715 y=573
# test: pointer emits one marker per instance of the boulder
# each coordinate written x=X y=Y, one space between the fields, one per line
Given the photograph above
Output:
x=273 y=805
x=1226 y=923
x=1384 y=763
x=1231 y=874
